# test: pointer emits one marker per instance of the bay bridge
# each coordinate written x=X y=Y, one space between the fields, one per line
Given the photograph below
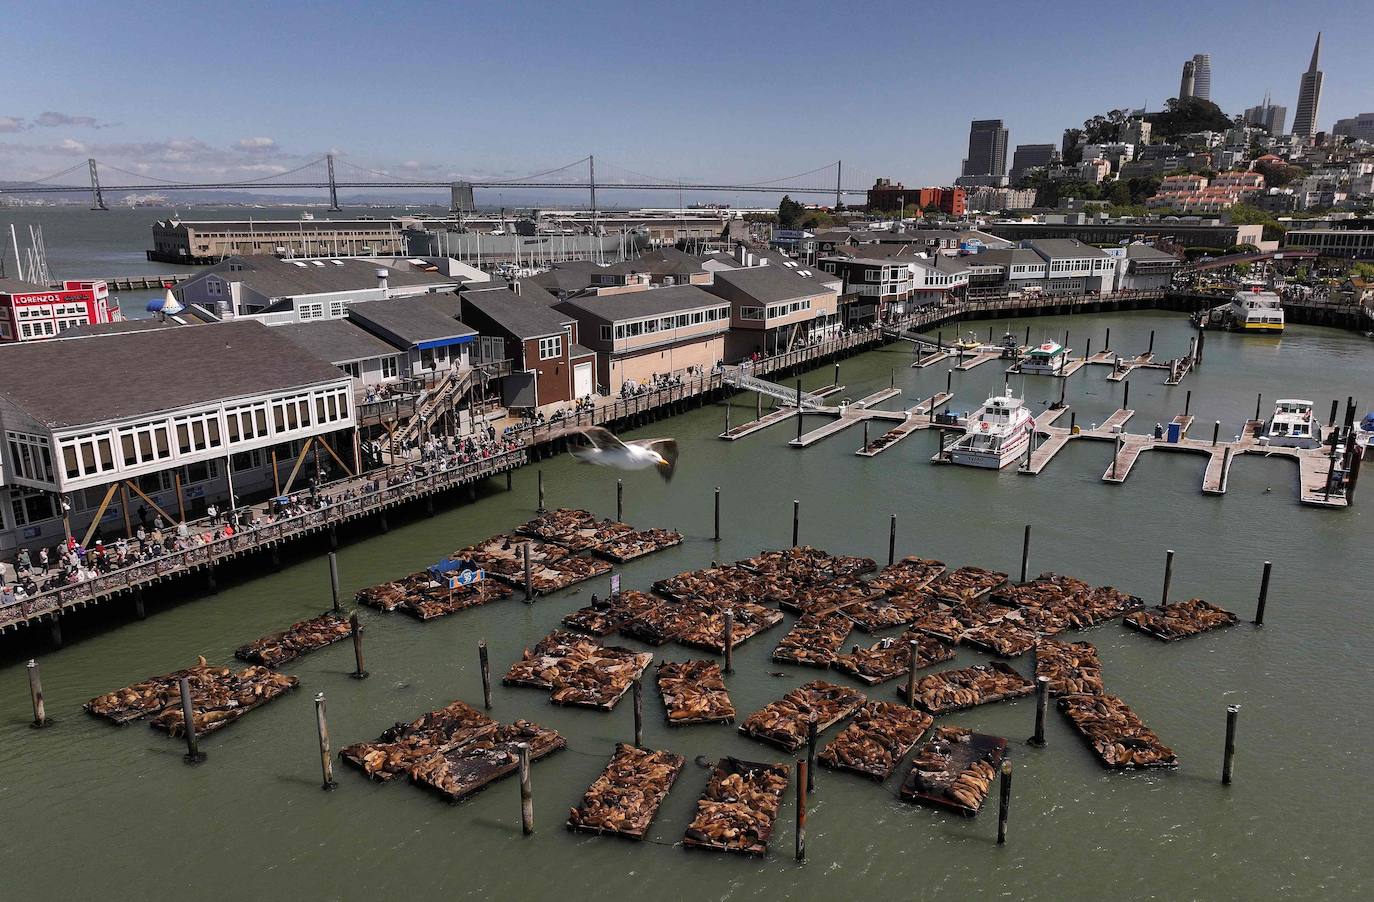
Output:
x=329 y=174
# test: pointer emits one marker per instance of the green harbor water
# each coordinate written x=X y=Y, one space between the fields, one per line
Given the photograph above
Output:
x=93 y=811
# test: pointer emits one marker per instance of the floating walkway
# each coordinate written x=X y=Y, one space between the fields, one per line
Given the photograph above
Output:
x=917 y=418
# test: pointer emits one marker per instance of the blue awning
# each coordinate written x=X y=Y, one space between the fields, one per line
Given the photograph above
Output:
x=444 y=342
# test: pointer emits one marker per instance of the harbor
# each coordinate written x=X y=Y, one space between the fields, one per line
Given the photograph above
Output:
x=264 y=764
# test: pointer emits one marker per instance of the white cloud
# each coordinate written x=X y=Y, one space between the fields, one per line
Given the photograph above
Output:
x=11 y=124
x=257 y=144
x=50 y=119
x=69 y=145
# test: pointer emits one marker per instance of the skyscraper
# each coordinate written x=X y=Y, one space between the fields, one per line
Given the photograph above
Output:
x=987 y=148
x=1031 y=155
x=1186 y=84
x=1309 y=96
x=1202 y=75
x=1269 y=116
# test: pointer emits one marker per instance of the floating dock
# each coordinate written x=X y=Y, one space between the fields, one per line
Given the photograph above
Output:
x=402 y=746
x=625 y=798
x=300 y=638
x=981 y=684
x=783 y=723
x=219 y=696
x=737 y=810
x=1180 y=620
x=578 y=670
x=463 y=769
x=1072 y=668
x=876 y=740
x=917 y=418
x=424 y=597
x=780 y=414
x=910 y=574
x=954 y=770
x=694 y=693
x=814 y=640
x=890 y=658
x=1116 y=735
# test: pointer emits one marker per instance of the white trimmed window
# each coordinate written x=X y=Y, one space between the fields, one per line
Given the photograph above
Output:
x=549 y=348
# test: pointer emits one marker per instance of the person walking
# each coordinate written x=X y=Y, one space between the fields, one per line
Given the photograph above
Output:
x=43 y=559
x=213 y=513
x=23 y=563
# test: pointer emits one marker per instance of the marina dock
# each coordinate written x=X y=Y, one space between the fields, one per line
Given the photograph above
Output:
x=917 y=418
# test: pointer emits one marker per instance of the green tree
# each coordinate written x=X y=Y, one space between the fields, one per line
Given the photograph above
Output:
x=1182 y=116
x=789 y=213
x=1244 y=214
x=1278 y=173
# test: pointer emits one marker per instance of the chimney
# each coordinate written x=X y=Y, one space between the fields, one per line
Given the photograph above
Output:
x=515 y=286
x=742 y=254
x=381 y=279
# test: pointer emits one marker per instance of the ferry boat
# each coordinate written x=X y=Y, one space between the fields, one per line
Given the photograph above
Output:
x=1252 y=309
x=1045 y=360
x=1293 y=425
x=998 y=433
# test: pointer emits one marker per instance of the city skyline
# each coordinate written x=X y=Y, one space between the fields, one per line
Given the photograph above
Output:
x=487 y=94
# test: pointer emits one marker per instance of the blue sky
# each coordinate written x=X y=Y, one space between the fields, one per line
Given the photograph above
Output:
x=742 y=91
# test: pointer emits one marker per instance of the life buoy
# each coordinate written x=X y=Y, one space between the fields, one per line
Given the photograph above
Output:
x=985 y=427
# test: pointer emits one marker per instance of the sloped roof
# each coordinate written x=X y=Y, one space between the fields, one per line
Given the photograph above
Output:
x=649 y=302
x=274 y=277
x=772 y=284
x=337 y=340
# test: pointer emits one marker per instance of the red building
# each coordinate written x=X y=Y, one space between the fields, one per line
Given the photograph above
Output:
x=30 y=312
x=887 y=197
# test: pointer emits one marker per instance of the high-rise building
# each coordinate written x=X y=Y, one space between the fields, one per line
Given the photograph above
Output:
x=1359 y=127
x=1031 y=155
x=1268 y=116
x=987 y=148
x=1309 y=96
x=1202 y=76
x=1186 y=84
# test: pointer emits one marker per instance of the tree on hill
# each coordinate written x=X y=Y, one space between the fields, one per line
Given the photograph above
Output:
x=1104 y=129
x=1278 y=173
x=1184 y=115
x=1244 y=214
x=789 y=213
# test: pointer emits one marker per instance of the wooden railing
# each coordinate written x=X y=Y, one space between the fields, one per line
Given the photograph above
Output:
x=264 y=536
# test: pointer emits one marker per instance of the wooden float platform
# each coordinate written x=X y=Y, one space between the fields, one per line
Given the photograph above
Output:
x=910 y=574
x=778 y=416
x=694 y=693
x=738 y=808
x=890 y=658
x=814 y=640
x=847 y=416
x=466 y=768
x=916 y=419
x=954 y=770
x=876 y=740
x=1072 y=668
x=624 y=799
x=578 y=670
x=300 y=638
x=1180 y=619
x=783 y=723
x=969 y=687
x=402 y=746
x=1115 y=733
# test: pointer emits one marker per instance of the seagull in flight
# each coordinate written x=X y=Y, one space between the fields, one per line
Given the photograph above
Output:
x=601 y=447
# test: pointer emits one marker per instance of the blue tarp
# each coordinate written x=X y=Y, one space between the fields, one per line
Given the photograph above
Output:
x=1367 y=424
x=445 y=342
x=447 y=566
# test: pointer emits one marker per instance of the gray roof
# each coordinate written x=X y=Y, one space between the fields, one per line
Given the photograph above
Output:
x=649 y=302
x=123 y=325
x=16 y=286
x=521 y=317
x=274 y=277
x=336 y=340
x=574 y=275
x=666 y=261
x=1064 y=247
x=772 y=284
x=129 y=374
x=407 y=321
x=1148 y=252
x=1007 y=257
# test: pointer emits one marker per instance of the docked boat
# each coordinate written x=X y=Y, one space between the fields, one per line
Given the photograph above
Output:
x=1293 y=425
x=967 y=345
x=997 y=434
x=1045 y=360
x=1251 y=309
x=1364 y=435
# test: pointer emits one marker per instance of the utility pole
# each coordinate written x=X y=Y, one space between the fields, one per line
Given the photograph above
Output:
x=97 y=199
x=333 y=188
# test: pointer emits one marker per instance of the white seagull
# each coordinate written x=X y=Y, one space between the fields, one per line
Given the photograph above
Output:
x=604 y=449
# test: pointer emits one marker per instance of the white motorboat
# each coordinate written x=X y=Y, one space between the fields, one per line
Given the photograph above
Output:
x=1255 y=310
x=997 y=434
x=1293 y=425
x=1046 y=360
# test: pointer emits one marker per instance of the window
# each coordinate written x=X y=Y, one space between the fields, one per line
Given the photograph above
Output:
x=87 y=455
x=310 y=311
x=144 y=444
x=550 y=348
x=390 y=367
x=337 y=309
x=606 y=332
x=31 y=456
x=198 y=432
x=751 y=313
x=353 y=369
x=32 y=506
x=247 y=422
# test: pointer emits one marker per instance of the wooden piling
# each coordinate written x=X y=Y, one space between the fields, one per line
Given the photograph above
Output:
x=326 y=761
x=728 y=641
x=508 y=481
x=1216 y=431
x=1259 y=399
x=913 y=649
x=865 y=434
x=1263 y=594
x=811 y=754
x=799 y=411
x=802 y=776
x=1168 y=575
x=55 y=631
x=796 y=521
x=837 y=374
x=620 y=501
x=526 y=792
x=717 y=516
x=1125 y=394
x=193 y=753
x=1073 y=420
x=1107 y=342
x=485 y=666
x=1151 y=348
x=139 y=611
x=639 y=713
x=1225 y=467
x=892 y=541
x=727 y=416
x=541 y=508
x=40 y=711
x=758 y=405
x=949 y=384
x=529 y=574
x=334 y=581
x=1042 y=702
x=1025 y=552
x=1228 y=760
x=1335 y=408
x=356 y=628
x=1027 y=341
x=1004 y=807
x=1187 y=402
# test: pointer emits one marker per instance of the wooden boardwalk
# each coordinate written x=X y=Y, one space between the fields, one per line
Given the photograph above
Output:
x=847 y=416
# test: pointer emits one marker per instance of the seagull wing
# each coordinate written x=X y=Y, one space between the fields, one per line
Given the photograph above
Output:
x=666 y=448
x=602 y=439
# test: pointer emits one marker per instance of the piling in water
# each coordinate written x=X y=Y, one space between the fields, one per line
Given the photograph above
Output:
x=1229 y=758
x=811 y=755
x=526 y=792
x=486 y=673
x=326 y=760
x=638 y=687
x=913 y=649
x=1168 y=575
x=1004 y=807
x=892 y=541
x=717 y=517
x=541 y=507
x=334 y=581
x=620 y=501
x=803 y=773
x=529 y=572
x=40 y=715
x=1263 y=594
x=1216 y=431
x=1125 y=394
x=1187 y=402
x=359 y=673
x=728 y=641
x=1042 y=701
x=193 y=753
x=796 y=521
x=1025 y=552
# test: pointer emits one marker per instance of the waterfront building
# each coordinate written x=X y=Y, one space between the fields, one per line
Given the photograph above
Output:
x=209 y=241
x=1309 y=96
x=548 y=366
x=1359 y=128
x=663 y=266
x=638 y=335
x=987 y=148
x=1351 y=239
x=221 y=402
x=1031 y=156
x=1184 y=234
x=31 y=312
x=1147 y=268
x=291 y=290
x=1073 y=267
x=773 y=308
x=885 y=196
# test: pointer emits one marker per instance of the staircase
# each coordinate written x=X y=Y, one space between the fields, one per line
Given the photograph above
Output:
x=736 y=377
